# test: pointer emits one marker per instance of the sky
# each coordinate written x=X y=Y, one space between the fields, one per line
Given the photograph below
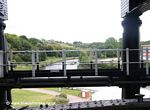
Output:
x=69 y=20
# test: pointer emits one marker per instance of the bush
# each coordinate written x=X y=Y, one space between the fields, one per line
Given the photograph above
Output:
x=63 y=95
x=61 y=99
x=17 y=58
x=83 y=57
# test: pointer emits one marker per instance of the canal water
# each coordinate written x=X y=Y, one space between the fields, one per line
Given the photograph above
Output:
x=71 y=64
x=99 y=93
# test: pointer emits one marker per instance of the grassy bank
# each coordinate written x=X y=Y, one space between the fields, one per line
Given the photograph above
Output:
x=49 y=60
x=24 y=97
x=74 y=92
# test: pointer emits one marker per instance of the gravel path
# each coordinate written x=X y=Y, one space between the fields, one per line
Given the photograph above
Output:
x=72 y=99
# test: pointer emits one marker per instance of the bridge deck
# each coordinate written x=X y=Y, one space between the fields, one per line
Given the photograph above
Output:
x=92 y=75
x=130 y=104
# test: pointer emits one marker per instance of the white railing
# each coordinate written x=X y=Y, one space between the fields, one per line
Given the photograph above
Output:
x=1 y=64
x=94 y=59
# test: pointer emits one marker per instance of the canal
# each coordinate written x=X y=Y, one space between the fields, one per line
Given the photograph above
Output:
x=99 y=93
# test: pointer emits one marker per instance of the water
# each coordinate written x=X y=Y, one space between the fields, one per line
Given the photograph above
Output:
x=71 y=64
x=99 y=93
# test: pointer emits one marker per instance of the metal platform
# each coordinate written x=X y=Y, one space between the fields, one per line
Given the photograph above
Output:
x=130 y=104
x=93 y=75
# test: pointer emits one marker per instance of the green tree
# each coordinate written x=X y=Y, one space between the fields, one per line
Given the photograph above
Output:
x=83 y=56
x=14 y=42
x=111 y=43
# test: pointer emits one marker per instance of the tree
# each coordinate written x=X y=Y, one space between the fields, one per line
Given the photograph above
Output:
x=35 y=41
x=13 y=41
x=111 y=43
x=23 y=37
x=25 y=44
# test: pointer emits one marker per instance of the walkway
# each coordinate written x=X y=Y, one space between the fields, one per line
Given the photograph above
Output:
x=72 y=99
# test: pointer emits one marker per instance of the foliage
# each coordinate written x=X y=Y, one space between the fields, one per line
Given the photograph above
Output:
x=61 y=99
x=111 y=65
x=83 y=57
x=110 y=43
x=63 y=95
x=23 y=43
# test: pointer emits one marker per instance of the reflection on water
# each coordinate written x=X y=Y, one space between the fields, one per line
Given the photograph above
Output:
x=71 y=64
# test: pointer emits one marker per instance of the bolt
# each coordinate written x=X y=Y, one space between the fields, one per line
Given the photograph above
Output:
x=46 y=106
x=139 y=97
x=41 y=106
x=101 y=103
x=95 y=102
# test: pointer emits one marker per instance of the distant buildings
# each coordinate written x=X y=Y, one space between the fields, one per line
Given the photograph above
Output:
x=146 y=52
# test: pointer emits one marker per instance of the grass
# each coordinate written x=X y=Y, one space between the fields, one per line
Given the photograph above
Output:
x=24 y=97
x=74 y=92
x=54 y=59
x=49 y=60
x=23 y=67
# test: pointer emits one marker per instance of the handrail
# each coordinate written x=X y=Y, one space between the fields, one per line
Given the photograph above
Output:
x=30 y=51
x=93 y=55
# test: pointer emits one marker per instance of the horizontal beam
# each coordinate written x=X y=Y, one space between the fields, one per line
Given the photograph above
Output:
x=143 y=7
x=70 y=73
x=58 y=73
x=72 y=82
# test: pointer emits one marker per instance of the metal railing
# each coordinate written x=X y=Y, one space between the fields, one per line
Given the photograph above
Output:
x=93 y=57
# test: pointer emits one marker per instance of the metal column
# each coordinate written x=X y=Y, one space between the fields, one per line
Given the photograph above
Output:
x=3 y=91
x=3 y=98
x=131 y=40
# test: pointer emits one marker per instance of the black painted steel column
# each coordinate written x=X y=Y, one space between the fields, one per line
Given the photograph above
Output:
x=9 y=98
x=3 y=91
x=3 y=98
x=131 y=40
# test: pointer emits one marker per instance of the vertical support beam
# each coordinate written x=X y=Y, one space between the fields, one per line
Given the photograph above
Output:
x=91 y=62
x=122 y=59
x=118 y=56
x=1 y=64
x=131 y=40
x=3 y=57
x=11 y=60
x=9 y=98
x=33 y=64
x=64 y=62
x=37 y=60
x=3 y=98
x=147 y=64
x=2 y=48
x=142 y=63
x=3 y=91
x=96 y=65
x=127 y=62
